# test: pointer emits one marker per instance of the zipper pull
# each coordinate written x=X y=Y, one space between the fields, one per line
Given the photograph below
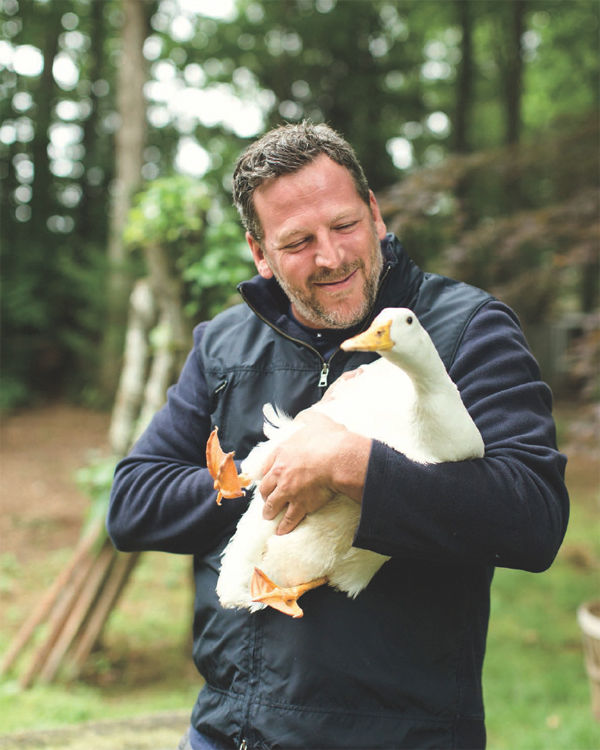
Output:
x=323 y=376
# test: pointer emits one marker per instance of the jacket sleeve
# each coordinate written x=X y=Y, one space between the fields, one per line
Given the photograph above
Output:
x=162 y=495
x=509 y=508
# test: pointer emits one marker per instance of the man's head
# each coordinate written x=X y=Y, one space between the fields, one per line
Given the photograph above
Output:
x=312 y=222
x=284 y=150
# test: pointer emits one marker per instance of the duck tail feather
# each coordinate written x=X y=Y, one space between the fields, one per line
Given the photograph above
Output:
x=275 y=419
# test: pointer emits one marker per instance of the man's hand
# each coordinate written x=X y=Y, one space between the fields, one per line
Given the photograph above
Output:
x=317 y=462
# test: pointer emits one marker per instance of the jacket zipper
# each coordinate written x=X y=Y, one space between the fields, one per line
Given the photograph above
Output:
x=324 y=371
x=324 y=374
x=325 y=364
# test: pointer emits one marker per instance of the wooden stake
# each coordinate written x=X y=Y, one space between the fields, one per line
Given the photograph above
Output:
x=58 y=617
x=21 y=639
x=78 y=613
x=105 y=604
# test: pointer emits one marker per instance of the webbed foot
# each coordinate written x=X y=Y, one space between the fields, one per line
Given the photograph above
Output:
x=221 y=466
x=283 y=599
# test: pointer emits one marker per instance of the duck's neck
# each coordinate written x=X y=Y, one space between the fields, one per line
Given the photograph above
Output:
x=430 y=381
x=428 y=374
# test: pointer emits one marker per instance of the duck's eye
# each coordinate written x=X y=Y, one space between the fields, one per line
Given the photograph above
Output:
x=409 y=320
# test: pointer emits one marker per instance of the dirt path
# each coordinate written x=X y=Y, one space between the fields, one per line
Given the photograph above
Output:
x=42 y=510
x=157 y=732
x=40 y=450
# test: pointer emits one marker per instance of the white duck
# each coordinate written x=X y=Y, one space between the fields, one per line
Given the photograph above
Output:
x=405 y=399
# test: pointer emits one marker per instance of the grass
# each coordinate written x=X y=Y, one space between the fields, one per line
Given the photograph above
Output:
x=536 y=689
x=144 y=665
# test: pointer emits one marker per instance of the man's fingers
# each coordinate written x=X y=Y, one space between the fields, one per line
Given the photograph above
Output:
x=289 y=522
x=268 y=464
x=273 y=503
x=270 y=509
x=266 y=487
x=291 y=519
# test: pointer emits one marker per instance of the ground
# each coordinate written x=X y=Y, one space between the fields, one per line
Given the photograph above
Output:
x=40 y=450
x=158 y=732
x=43 y=512
x=41 y=520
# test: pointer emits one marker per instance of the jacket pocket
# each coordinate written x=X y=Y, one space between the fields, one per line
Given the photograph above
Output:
x=216 y=395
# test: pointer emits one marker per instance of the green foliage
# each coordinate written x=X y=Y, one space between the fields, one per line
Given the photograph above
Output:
x=95 y=479
x=213 y=276
x=554 y=59
x=204 y=242
x=385 y=74
x=167 y=211
x=339 y=63
x=53 y=205
x=13 y=393
x=50 y=306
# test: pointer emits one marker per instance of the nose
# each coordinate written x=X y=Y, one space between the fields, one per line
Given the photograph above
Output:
x=328 y=253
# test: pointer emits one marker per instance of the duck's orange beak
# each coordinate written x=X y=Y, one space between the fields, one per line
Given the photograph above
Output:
x=222 y=469
x=376 y=338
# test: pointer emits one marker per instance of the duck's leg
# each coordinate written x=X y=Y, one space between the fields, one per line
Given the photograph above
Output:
x=284 y=599
x=222 y=469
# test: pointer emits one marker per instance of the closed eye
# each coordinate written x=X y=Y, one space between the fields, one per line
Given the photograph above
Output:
x=346 y=226
x=298 y=244
x=295 y=245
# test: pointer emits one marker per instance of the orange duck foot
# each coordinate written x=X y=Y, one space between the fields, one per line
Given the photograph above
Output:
x=280 y=598
x=222 y=469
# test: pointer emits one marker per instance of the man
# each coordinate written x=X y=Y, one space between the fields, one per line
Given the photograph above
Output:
x=400 y=665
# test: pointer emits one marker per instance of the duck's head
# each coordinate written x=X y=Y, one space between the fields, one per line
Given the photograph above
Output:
x=393 y=328
x=397 y=335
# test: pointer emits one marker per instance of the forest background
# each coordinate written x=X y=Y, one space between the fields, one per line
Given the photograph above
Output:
x=477 y=123
x=120 y=121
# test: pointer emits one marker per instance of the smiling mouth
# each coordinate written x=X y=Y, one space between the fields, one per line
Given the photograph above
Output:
x=336 y=283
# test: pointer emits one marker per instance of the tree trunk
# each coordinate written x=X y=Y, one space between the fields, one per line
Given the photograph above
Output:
x=93 y=200
x=42 y=202
x=130 y=394
x=513 y=72
x=464 y=81
x=129 y=146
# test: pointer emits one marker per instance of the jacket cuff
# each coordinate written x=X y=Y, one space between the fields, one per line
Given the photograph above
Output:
x=373 y=529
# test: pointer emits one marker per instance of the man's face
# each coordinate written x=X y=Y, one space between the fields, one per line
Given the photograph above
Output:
x=321 y=242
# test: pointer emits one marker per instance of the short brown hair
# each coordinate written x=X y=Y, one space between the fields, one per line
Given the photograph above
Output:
x=284 y=150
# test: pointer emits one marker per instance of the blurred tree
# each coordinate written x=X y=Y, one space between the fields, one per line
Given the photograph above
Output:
x=130 y=140
x=510 y=62
x=408 y=82
x=51 y=256
x=355 y=65
x=464 y=78
x=207 y=254
x=93 y=160
x=542 y=259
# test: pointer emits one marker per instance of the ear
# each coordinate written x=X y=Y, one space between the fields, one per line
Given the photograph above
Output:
x=259 y=257
x=380 y=227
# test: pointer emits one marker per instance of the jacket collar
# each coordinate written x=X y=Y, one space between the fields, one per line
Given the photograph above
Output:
x=399 y=284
